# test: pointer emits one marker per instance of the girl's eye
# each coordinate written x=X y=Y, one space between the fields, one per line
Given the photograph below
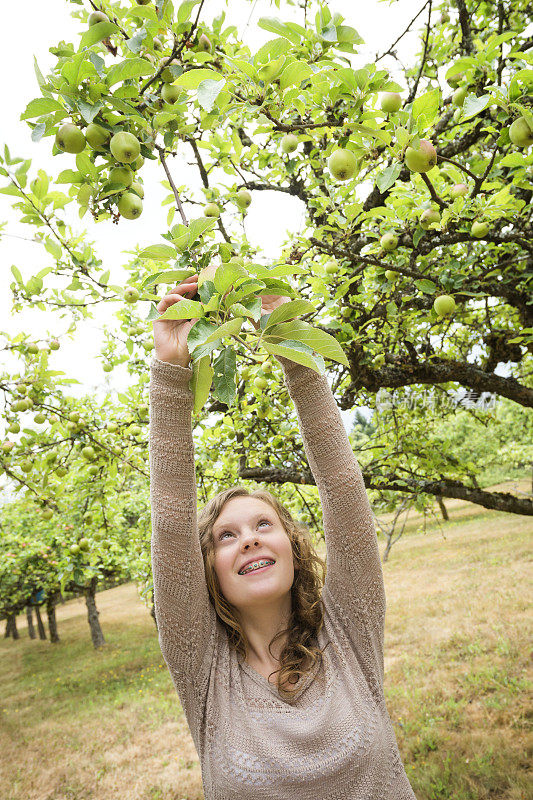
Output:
x=225 y=532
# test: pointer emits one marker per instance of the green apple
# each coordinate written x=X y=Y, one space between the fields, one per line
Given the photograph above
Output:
x=54 y=344
x=391 y=275
x=444 y=17
x=137 y=164
x=61 y=471
x=421 y=159
x=7 y=446
x=21 y=389
x=70 y=139
x=331 y=267
x=520 y=133
x=96 y=17
x=243 y=198
x=109 y=367
x=389 y=241
x=26 y=466
x=429 y=217
x=74 y=549
x=19 y=405
x=444 y=305
x=47 y=514
x=135 y=430
x=211 y=210
x=342 y=164
x=130 y=206
x=148 y=346
x=204 y=44
x=14 y=427
x=458 y=97
x=137 y=188
x=170 y=93
x=479 y=229
x=455 y=80
x=458 y=190
x=131 y=295
x=122 y=175
x=125 y=147
x=39 y=419
x=390 y=102
x=84 y=544
x=260 y=383
x=97 y=136
x=289 y=143
x=33 y=349
x=88 y=452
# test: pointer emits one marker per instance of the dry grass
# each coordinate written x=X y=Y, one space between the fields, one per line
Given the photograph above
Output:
x=77 y=724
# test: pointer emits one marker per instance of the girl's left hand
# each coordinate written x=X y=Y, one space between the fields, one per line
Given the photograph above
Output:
x=269 y=302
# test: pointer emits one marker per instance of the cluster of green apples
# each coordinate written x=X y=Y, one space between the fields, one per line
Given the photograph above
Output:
x=125 y=149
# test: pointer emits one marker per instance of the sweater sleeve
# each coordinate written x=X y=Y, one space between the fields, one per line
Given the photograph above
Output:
x=184 y=614
x=354 y=578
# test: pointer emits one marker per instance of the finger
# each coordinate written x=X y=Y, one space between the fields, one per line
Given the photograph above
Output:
x=167 y=301
x=186 y=288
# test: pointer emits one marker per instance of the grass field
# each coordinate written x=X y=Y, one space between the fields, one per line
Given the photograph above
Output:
x=80 y=724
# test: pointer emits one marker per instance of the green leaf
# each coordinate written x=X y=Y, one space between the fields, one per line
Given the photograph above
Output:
x=318 y=340
x=166 y=276
x=227 y=329
x=184 y=11
x=290 y=310
x=208 y=92
x=184 y=309
x=298 y=352
x=130 y=68
x=197 y=227
x=427 y=286
x=38 y=132
x=88 y=111
x=224 y=376
x=294 y=74
x=226 y=275
x=160 y=252
x=96 y=33
x=388 y=176
x=513 y=160
x=18 y=277
x=41 y=106
x=427 y=105
x=201 y=382
x=473 y=105
x=194 y=77
x=275 y=25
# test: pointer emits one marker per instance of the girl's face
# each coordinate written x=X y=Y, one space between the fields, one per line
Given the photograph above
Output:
x=249 y=529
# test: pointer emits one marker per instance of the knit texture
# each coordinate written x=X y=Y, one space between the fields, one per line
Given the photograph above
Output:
x=334 y=740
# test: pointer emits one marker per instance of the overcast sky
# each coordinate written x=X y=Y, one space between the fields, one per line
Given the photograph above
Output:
x=34 y=26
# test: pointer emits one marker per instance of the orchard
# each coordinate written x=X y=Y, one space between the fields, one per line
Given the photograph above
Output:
x=413 y=272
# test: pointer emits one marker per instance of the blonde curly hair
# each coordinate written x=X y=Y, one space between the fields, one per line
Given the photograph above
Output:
x=307 y=615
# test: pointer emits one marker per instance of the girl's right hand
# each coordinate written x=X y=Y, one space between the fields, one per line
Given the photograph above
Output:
x=170 y=335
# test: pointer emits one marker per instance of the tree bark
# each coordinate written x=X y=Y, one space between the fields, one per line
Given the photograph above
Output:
x=52 y=622
x=97 y=635
x=29 y=617
x=443 y=508
x=40 y=626
x=11 y=627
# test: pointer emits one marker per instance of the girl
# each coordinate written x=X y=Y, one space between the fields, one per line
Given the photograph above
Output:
x=239 y=601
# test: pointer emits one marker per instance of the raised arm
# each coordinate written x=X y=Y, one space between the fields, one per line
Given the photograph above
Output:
x=185 y=617
x=354 y=574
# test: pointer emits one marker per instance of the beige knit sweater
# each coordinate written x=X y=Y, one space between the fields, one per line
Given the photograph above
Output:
x=335 y=740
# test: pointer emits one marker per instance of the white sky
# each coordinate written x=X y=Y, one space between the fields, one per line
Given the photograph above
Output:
x=34 y=27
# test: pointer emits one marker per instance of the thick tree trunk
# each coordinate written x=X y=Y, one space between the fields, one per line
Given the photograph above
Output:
x=92 y=614
x=11 y=627
x=29 y=617
x=52 y=623
x=40 y=626
x=442 y=508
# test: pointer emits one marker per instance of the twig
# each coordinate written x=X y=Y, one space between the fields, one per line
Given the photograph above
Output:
x=433 y=193
x=412 y=93
x=172 y=184
x=389 y=51
x=459 y=166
